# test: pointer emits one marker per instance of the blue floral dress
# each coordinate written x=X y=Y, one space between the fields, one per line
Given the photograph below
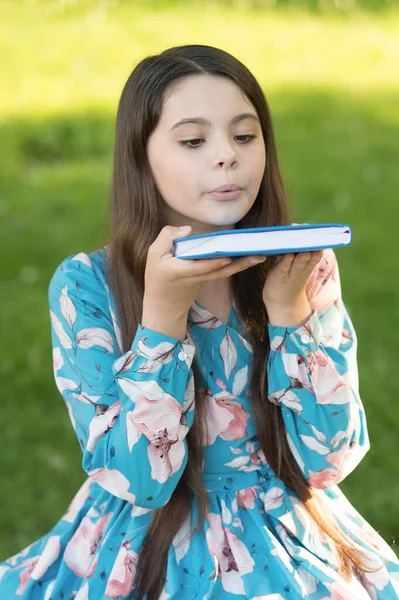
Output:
x=131 y=413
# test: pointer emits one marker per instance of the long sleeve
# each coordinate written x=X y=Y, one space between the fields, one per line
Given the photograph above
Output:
x=131 y=412
x=313 y=376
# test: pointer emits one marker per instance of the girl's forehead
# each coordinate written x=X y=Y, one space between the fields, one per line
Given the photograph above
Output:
x=204 y=95
x=207 y=83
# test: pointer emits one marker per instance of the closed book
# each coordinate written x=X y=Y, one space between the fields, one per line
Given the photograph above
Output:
x=281 y=239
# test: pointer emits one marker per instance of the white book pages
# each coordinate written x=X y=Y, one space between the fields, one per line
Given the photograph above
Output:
x=265 y=241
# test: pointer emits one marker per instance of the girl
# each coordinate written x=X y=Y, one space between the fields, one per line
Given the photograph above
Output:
x=216 y=405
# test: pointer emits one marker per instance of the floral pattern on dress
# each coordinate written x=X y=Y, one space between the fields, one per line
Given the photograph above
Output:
x=131 y=413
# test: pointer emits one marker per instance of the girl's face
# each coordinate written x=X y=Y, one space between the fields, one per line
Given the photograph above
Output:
x=189 y=160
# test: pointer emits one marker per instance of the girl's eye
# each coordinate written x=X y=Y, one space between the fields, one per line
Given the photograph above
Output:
x=251 y=137
x=188 y=142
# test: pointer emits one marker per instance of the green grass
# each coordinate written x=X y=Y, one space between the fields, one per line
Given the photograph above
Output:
x=331 y=85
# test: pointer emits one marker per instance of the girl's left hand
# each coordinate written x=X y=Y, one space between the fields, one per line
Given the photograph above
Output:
x=284 y=291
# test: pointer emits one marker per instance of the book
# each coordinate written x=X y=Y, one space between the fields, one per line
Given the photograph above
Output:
x=281 y=239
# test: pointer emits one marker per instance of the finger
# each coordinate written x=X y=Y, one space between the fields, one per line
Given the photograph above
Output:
x=317 y=255
x=206 y=266
x=279 y=258
x=310 y=256
x=162 y=246
x=200 y=266
x=285 y=262
x=306 y=260
x=235 y=266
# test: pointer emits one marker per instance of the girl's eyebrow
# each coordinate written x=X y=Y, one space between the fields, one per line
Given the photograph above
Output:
x=201 y=121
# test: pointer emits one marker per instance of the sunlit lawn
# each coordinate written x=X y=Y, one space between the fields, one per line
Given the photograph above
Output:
x=333 y=90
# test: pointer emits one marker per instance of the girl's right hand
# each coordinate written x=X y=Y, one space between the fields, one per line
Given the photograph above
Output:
x=173 y=283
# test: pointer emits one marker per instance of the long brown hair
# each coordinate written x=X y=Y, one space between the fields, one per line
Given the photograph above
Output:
x=137 y=218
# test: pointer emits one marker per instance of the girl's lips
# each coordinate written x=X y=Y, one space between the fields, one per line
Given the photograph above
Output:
x=232 y=195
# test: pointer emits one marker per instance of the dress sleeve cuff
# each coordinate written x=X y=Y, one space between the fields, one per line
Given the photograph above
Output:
x=154 y=348
x=185 y=349
x=306 y=338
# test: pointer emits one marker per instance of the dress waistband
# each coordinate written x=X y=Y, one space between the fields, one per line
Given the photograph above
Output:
x=223 y=482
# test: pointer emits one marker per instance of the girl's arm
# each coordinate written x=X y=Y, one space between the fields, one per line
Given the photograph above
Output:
x=313 y=376
x=131 y=412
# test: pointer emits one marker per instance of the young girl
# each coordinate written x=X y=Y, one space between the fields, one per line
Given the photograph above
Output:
x=216 y=405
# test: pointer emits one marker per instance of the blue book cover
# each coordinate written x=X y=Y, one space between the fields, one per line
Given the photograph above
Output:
x=281 y=239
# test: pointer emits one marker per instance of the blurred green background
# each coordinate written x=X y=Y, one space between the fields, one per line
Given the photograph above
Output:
x=329 y=70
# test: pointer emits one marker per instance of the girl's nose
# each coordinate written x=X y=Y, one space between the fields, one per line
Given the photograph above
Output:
x=227 y=156
x=227 y=162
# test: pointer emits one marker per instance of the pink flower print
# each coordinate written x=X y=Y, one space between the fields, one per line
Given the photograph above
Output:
x=82 y=546
x=237 y=427
x=234 y=426
x=232 y=555
x=132 y=432
x=255 y=458
x=231 y=561
x=323 y=286
x=123 y=573
x=114 y=482
x=329 y=387
x=24 y=576
x=246 y=498
x=215 y=534
x=37 y=566
x=238 y=562
x=220 y=383
x=160 y=422
x=218 y=416
x=154 y=416
x=338 y=457
x=296 y=369
x=166 y=456
x=243 y=561
x=322 y=479
x=343 y=459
